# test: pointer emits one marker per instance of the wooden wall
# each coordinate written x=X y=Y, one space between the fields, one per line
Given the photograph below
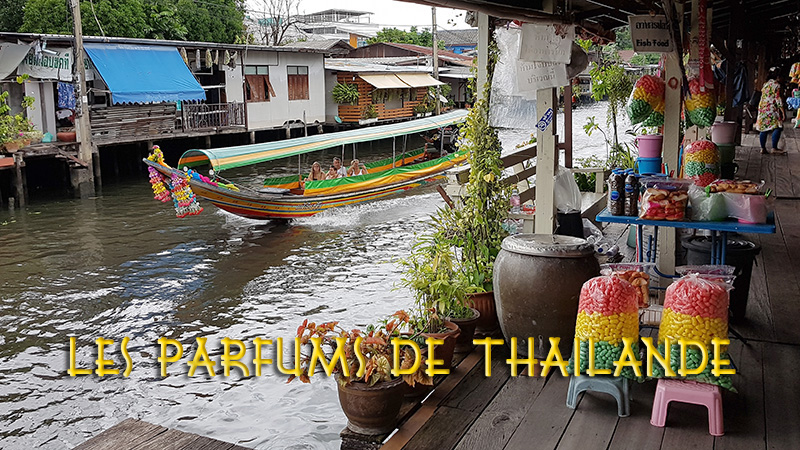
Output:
x=352 y=113
x=131 y=123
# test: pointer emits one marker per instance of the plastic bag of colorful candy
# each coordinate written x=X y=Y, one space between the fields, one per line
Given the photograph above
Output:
x=607 y=314
x=647 y=94
x=637 y=274
x=696 y=309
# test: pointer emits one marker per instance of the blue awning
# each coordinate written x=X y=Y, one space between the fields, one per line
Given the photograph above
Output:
x=144 y=73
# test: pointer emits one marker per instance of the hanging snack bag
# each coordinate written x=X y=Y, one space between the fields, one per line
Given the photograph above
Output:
x=701 y=104
x=647 y=94
x=607 y=313
x=701 y=162
x=696 y=308
x=637 y=274
x=664 y=198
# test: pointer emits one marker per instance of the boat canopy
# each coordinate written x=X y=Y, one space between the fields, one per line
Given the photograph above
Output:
x=245 y=155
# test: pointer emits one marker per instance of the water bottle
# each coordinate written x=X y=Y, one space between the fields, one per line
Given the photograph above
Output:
x=515 y=201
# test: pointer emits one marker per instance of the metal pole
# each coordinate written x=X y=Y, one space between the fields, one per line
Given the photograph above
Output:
x=354 y=150
x=305 y=127
x=342 y=153
x=436 y=61
x=393 y=150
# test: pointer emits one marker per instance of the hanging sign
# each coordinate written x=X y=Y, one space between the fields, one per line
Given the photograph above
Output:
x=53 y=64
x=532 y=76
x=550 y=43
x=650 y=34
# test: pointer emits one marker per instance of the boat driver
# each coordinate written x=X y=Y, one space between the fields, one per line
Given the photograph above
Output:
x=341 y=172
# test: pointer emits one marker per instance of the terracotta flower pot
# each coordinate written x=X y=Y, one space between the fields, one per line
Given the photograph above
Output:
x=12 y=146
x=66 y=137
x=445 y=351
x=467 y=326
x=484 y=303
x=372 y=410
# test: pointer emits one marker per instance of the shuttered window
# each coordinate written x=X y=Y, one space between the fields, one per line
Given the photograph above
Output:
x=297 y=78
x=257 y=85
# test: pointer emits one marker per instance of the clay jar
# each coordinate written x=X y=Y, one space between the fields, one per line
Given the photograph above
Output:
x=537 y=283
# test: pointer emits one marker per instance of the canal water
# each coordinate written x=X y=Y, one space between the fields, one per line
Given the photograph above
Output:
x=122 y=265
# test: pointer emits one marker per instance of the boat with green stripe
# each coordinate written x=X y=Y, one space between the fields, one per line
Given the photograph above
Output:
x=287 y=198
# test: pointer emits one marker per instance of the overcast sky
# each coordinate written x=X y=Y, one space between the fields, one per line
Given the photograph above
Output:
x=386 y=12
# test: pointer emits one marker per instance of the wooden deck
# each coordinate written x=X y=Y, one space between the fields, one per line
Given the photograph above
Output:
x=504 y=412
x=132 y=434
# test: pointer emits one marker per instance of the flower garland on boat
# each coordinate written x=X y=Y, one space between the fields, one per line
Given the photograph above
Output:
x=183 y=198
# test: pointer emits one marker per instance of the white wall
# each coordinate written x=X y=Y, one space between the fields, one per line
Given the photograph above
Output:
x=43 y=112
x=331 y=107
x=279 y=109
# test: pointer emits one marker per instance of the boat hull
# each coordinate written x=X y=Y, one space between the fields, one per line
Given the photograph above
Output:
x=253 y=205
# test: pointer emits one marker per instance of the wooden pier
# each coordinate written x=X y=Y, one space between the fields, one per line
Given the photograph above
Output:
x=132 y=434
x=505 y=412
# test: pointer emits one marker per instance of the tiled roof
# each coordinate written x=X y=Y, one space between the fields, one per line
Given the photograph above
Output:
x=457 y=37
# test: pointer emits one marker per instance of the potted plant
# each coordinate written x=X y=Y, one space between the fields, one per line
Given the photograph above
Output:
x=14 y=128
x=345 y=93
x=370 y=115
x=372 y=400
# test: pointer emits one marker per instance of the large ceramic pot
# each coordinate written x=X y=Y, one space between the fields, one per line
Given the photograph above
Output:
x=484 y=303
x=373 y=409
x=467 y=327
x=537 y=282
x=445 y=351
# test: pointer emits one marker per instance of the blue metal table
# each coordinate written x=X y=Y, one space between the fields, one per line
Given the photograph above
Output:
x=719 y=232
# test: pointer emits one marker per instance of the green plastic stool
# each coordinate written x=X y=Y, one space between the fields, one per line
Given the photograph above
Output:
x=618 y=387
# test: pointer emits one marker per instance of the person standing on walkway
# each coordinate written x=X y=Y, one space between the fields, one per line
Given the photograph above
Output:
x=770 y=113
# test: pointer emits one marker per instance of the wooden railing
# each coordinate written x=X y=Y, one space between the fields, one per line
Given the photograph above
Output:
x=203 y=116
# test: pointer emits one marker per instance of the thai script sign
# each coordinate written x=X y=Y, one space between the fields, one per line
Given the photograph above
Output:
x=53 y=64
x=551 y=43
x=535 y=75
x=650 y=34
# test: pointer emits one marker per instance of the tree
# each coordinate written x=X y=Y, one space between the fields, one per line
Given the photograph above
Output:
x=208 y=21
x=278 y=17
x=623 y=38
x=412 y=36
x=643 y=59
x=11 y=14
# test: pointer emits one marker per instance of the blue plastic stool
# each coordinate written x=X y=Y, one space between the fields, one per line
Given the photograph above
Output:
x=618 y=387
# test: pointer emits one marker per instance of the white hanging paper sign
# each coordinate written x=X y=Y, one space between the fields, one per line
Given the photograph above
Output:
x=650 y=34
x=551 y=43
x=532 y=76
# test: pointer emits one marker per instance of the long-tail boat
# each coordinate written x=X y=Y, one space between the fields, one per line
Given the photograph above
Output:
x=288 y=198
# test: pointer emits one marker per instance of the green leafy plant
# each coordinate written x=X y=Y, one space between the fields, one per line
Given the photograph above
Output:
x=369 y=112
x=14 y=127
x=345 y=93
x=609 y=81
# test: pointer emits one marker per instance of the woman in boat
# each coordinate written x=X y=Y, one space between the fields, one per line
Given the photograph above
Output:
x=363 y=170
x=353 y=169
x=315 y=175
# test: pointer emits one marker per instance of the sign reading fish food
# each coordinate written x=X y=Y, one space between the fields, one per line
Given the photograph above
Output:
x=650 y=34
x=550 y=43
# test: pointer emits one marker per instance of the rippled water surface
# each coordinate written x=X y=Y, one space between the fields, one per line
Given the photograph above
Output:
x=121 y=265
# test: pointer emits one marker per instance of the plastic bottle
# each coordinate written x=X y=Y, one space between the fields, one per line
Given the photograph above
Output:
x=616 y=192
x=631 y=194
x=515 y=201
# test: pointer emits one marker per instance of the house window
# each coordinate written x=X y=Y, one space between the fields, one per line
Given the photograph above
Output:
x=297 y=77
x=257 y=85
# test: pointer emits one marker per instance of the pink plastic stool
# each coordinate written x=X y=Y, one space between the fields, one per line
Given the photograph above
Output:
x=692 y=392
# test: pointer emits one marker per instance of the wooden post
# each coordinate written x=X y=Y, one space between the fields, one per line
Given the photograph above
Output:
x=568 y=125
x=85 y=177
x=483 y=53
x=546 y=157
x=671 y=144
x=19 y=181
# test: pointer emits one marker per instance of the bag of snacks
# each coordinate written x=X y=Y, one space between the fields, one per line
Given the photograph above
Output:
x=695 y=308
x=647 y=94
x=664 y=198
x=747 y=208
x=701 y=162
x=735 y=186
x=707 y=206
x=607 y=312
x=701 y=104
x=637 y=274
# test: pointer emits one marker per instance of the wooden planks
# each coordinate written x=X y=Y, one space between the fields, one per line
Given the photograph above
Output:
x=129 y=123
x=132 y=434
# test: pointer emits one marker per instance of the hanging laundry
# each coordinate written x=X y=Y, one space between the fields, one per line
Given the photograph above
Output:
x=66 y=96
x=209 y=58
x=233 y=60
x=227 y=59
x=216 y=57
x=184 y=56
x=197 y=59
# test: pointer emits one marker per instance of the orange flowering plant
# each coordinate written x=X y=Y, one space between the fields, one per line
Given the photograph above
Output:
x=359 y=356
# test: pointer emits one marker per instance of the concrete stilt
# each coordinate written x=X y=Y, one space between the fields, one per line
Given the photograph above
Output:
x=98 y=176
x=82 y=182
x=252 y=137
x=208 y=141
x=19 y=181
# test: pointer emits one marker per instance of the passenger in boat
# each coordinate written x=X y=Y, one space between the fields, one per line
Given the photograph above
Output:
x=353 y=169
x=316 y=174
x=341 y=172
x=331 y=174
x=363 y=170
